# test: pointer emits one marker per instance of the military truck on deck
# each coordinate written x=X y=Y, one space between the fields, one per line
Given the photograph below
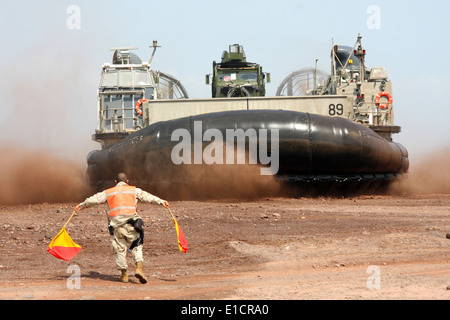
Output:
x=235 y=77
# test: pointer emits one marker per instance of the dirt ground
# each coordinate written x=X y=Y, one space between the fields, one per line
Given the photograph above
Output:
x=362 y=247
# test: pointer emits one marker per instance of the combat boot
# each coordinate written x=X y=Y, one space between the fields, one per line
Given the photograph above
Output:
x=124 y=275
x=140 y=273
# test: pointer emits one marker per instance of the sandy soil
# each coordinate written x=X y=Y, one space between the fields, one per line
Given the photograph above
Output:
x=365 y=247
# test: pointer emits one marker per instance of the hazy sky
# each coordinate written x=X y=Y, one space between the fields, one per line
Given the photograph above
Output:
x=52 y=53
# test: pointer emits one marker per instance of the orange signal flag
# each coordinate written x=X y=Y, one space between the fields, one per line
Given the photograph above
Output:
x=63 y=247
x=182 y=242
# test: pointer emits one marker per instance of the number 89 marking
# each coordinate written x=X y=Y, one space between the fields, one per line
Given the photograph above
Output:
x=336 y=109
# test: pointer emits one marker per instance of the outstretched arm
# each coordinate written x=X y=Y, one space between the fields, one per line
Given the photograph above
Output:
x=95 y=199
x=148 y=197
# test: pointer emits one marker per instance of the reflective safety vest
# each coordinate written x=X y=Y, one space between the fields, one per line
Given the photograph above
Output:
x=121 y=200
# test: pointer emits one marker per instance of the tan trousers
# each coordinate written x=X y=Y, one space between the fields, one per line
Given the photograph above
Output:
x=121 y=240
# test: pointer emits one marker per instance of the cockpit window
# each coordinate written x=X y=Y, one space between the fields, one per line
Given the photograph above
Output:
x=125 y=78
x=141 y=78
x=109 y=79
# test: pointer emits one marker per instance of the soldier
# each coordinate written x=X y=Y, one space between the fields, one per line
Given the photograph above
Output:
x=126 y=224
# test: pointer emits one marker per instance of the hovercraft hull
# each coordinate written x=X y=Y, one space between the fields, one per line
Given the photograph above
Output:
x=291 y=145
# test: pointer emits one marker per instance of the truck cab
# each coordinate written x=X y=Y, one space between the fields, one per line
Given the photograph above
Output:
x=235 y=77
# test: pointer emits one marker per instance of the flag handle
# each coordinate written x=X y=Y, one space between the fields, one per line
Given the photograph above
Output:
x=69 y=219
x=171 y=213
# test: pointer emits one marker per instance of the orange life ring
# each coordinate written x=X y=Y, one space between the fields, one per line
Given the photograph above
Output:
x=138 y=106
x=384 y=105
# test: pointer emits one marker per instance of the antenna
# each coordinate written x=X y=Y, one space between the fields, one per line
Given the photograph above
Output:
x=315 y=77
x=360 y=53
x=154 y=46
x=333 y=61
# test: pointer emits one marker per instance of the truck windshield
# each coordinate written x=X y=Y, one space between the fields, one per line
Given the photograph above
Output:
x=227 y=77
x=248 y=76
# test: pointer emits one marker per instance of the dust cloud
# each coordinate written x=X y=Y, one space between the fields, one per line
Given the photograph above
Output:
x=202 y=181
x=428 y=175
x=205 y=182
x=48 y=114
x=36 y=176
x=29 y=176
